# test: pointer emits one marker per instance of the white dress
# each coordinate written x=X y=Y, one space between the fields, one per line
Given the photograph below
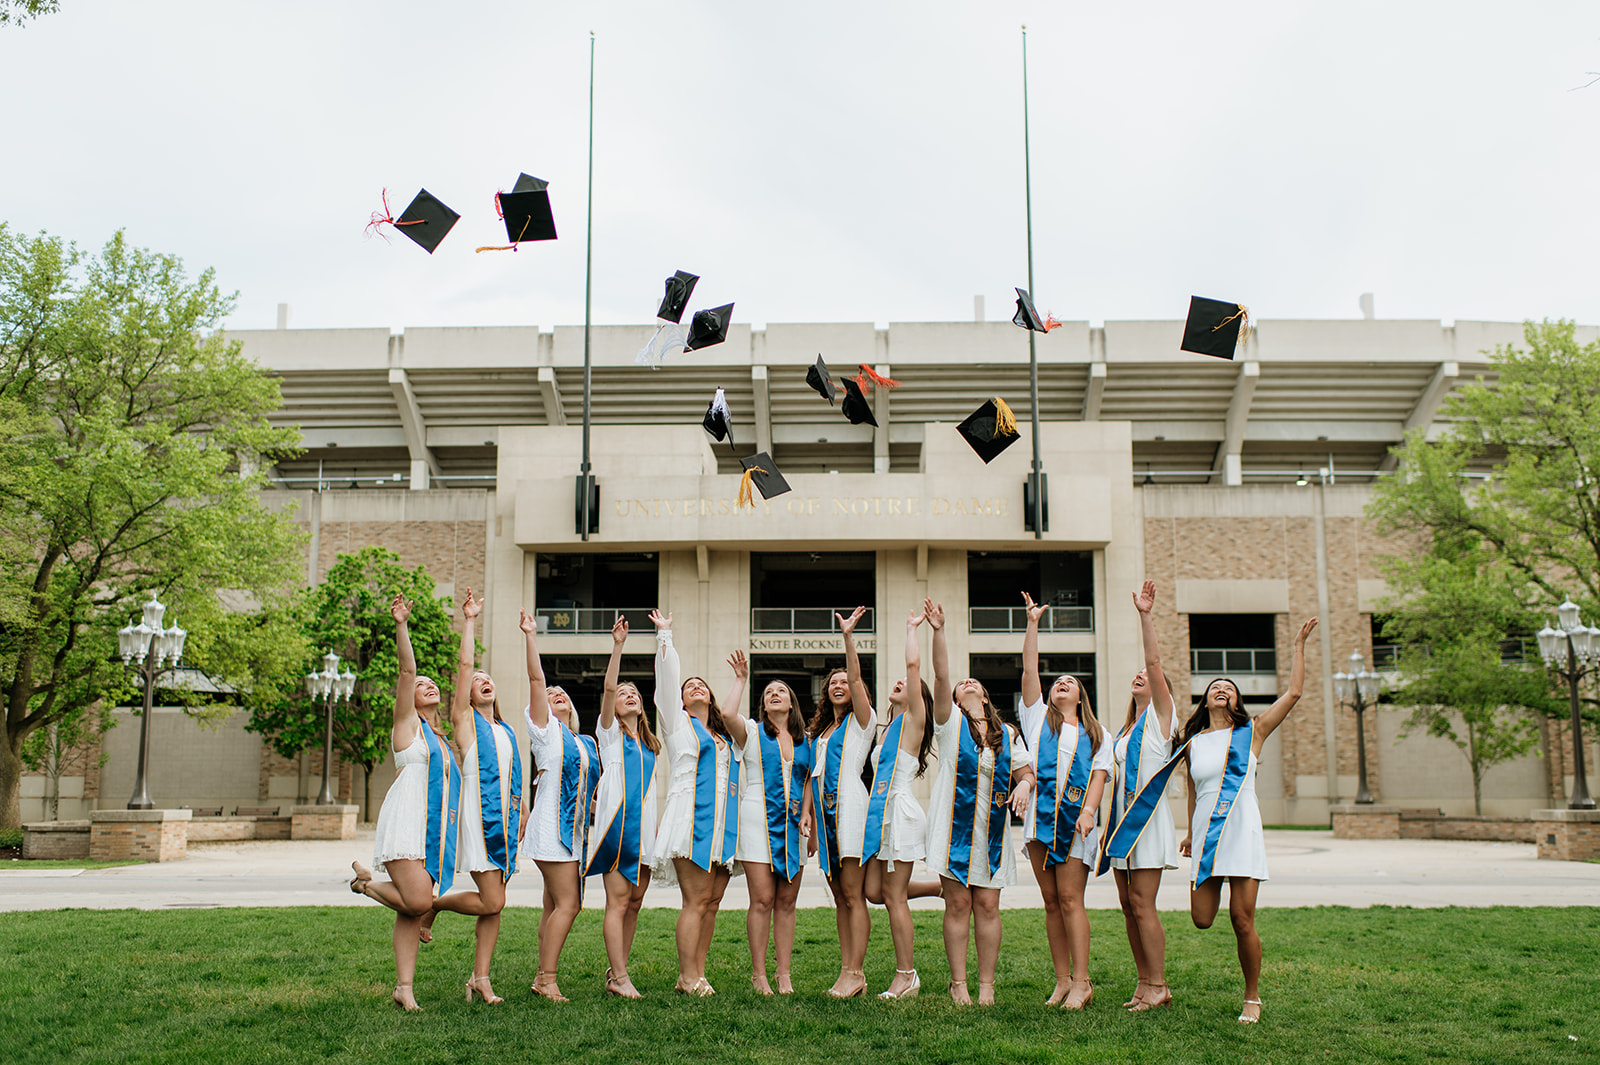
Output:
x=1157 y=847
x=941 y=811
x=755 y=839
x=675 y=834
x=905 y=826
x=1242 y=850
x=542 y=841
x=613 y=789
x=472 y=856
x=1084 y=848
x=403 y=820
x=851 y=815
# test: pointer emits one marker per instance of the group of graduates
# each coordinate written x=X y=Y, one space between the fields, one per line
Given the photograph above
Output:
x=758 y=795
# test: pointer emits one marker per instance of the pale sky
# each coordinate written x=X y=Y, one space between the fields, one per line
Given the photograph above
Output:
x=828 y=161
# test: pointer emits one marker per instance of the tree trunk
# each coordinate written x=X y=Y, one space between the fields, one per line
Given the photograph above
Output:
x=1478 y=768
x=10 y=787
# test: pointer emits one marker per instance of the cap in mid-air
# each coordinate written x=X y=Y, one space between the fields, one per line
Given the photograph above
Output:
x=719 y=419
x=679 y=288
x=855 y=405
x=820 y=379
x=1215 y=327
x=990 y=429
x=709 y=327
x=426 y=220
x=764 y=473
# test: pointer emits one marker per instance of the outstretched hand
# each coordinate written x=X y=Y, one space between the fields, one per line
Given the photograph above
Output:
x=934 y=612
x=619 y=630
x=740 y=665
x=847 y=625
x=1305 y=631
x=1035 y=610
x=1144 y=600
x=527 y=622
x=915 y=619
x=400 y=608
x=663 y=622
x=471 y=607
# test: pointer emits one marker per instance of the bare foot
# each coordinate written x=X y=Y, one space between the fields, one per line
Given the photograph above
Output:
x=1155 y=996
x=404 y=999
x=985 y=994
x=759 y=984
x=850 y=984
x=1060 y=993
x=785 y=985
x=425 y=931
x=958 y=993
x=545 y=986
x=1138 y=996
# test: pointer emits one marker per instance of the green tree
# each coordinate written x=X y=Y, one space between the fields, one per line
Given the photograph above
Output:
x=17 y=12
x=129 y=445
x=348 y=613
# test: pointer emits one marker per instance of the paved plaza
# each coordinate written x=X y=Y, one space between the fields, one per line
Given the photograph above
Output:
x=1308 y=869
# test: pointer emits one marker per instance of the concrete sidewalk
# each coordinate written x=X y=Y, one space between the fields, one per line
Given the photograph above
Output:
x=1308 y=869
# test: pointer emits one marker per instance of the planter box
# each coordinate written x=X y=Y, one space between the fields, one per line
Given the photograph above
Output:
x=63 y=840
x=141 y=835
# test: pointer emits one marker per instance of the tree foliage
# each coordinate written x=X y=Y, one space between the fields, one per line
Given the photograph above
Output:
x=348 y=613
x=18 y=12
x=129 y=440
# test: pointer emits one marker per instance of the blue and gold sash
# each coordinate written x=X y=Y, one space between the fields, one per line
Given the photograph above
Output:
x=964 y=809
x=882 y=784
x=825 y=797
x=705 y=802
x=1060 y=801
x=782 y=799
x=444 y=805
x=618 y=848
x=1133 y=807
x=499 y=824
x=580 y=761
x=1233 y=775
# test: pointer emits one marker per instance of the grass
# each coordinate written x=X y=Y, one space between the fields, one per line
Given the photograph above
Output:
x=15 y=864
x=295 y=985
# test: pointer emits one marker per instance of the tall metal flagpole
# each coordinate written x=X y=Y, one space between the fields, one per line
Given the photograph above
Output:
x=1036 y=480
x=585 y=481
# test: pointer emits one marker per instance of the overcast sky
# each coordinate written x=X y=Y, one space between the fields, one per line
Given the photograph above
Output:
x=827 y=161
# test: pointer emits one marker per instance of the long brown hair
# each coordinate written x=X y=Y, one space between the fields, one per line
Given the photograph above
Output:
x=824 y=716
x=1086 y=719
x=926 y=747
x=1201 y=717
x=796 y=730
x=994 y=728
x=496 y=701
x=1133 y=706
x=714 y=723
x=647 y=736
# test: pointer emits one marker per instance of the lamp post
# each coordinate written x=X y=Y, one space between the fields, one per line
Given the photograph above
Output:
x=1359 y=688
x=331 y=686
x=156 y=650
x=1569 y=652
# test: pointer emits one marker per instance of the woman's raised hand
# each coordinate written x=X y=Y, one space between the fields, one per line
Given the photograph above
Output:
x=1035 y=610
x=915 y=619
x=400 y=608
x=527 y=623
x=934 y=612
x=740 y=665
x=619 y=631
x=471 y=607
x=847 y=625
x=662 y=621
x=1144 y=600
x=1305 y=631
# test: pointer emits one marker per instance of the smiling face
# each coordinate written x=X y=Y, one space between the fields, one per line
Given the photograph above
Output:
x=696 y=690
x=559 y=701
x=897 y=694
x=776 y=698
x=970 y=695
x=1222 y=695
x=425 y=694
x=838 y=688
x=1065 y=692
x=1141 y=683
x=481 y=689
x=629 y=704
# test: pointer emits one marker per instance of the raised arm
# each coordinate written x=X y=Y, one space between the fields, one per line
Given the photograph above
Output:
x=669 y=677
x=461 y=698
x=405 y=689
x=538 y=697
x=941 y=662
x=914 y=708
x=1144 y=601
x=734 y=718
x=608 y=696
x=1269 y=721
x=1032 y=692
x=861 y=705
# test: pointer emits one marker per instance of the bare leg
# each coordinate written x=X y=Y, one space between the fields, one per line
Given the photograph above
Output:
x=630 y=920
x=986 y=932
x=1071 y=877
x=485 y=904
x=957 y=923
x=1143 y=884
x=562 y=902
x=1055 y=929
x=410 y=894
x=619 y=893
x=1242 y=911
x=872 y=881
x=763 y=889
x=695 y=885
x=708 y=924
x=1130 y=924
x=893 y=887
x=1204 y=901
x=855 y=925
x=787 y=894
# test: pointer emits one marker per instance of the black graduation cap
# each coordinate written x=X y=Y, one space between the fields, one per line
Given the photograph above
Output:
x=820 y=379
x=1215 y=327
x=679 y=287
x=709 y=327
x=1026 y=316
x=526 y=210
x=426 y=221
x=990 y=429
x=760 y=469
x=855 y=405
x=719 y=419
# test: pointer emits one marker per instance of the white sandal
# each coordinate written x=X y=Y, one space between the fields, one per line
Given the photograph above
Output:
x=910 y=992
x=1250 y=1020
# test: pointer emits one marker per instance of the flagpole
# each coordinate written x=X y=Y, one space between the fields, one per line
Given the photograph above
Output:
x=585 y=479
x=1036 y=479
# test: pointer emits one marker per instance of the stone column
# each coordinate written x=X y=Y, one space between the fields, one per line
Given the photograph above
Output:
x=1567 y=835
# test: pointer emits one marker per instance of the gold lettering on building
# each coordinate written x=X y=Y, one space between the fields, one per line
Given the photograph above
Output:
x=841 y=506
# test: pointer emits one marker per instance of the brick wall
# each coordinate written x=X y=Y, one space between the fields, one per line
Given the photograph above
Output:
x=61 y=840
x=116 y=835
x=1373 y=825
x=453 y=551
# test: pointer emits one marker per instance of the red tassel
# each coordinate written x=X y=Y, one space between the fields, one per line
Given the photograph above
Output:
x=385 y=217
x=869 y=378
x=1051 y=322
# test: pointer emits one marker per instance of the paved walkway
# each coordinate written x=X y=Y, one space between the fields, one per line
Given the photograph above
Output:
x=1308 y=869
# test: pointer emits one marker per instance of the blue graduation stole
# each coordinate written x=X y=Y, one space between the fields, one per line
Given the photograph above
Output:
x=579 y=779
x=882 y=781
x=1232 y=780
x=964 y=810
x=825 y=797
x=783 y=812
x=1054 y=820
x=705 y=802
x=499 y=825
x=1132 y=808
x=618 y=849
x=444 y=805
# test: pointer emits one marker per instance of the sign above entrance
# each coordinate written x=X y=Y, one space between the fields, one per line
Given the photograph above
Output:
x=818 y=643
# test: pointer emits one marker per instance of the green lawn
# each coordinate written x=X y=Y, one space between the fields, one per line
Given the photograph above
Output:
x=17 y=865
x=299 y=985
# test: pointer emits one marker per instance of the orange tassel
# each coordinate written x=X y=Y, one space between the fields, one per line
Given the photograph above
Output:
x=877 y=379
x=746 y=496
x=1051 y=322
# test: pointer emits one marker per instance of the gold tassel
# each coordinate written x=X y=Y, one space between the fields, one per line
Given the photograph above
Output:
x=513 y=245
x=1005 y=423
x=1245 y=328
x=746 y=497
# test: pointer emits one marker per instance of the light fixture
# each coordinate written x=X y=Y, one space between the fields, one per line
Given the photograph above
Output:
x=1301 y=480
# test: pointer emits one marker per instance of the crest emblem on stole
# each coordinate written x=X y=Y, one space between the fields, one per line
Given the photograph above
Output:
x=1223 y=805
x=999 y=796
x=1075 y=795
x=1127 y=798
x=830 y=801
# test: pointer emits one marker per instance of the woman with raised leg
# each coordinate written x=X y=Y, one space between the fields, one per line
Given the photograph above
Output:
x=491 y=803
x=566 y=771
x=897 y=829
x=625 y=828
x=835 y=806
x=416 y=839
x=696 y=842
x=776 y=763
x=1072 y=761
x=1223 y=747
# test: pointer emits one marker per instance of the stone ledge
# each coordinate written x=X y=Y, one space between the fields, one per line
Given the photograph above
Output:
x=220 y=829
x=1567 y=835
x=334 y=821
x=1363 y=808
x=1592 y=816
x=55 y=839
x=109 y=816
x=1351 y=820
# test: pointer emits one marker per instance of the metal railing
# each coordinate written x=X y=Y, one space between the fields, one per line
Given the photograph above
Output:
x=1514 y=651
x=571 y=620
x=1015 y=619
x=804 y=619
x=1215 y=660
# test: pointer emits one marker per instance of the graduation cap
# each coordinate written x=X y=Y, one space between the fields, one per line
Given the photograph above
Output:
x=1026 y=316
x=426 y=220
x=855 y=405
x=760 y=469
x=820 y=379
x=679 y=287
x=526 y=213
x=709 y=327
x=719 y=420
x=990 y=429
x=1215 y=327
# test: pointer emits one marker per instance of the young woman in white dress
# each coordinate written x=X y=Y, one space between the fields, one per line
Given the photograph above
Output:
x=1145 y=744
x=624 y=841
x=416 y=841
x=1071 y=762
x=491 y=803
x=897 y=829
x=985 y=775
x=776 y=763
x=835 y=806
x=696 y=842
x=1223 y=749
x=566 y=769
